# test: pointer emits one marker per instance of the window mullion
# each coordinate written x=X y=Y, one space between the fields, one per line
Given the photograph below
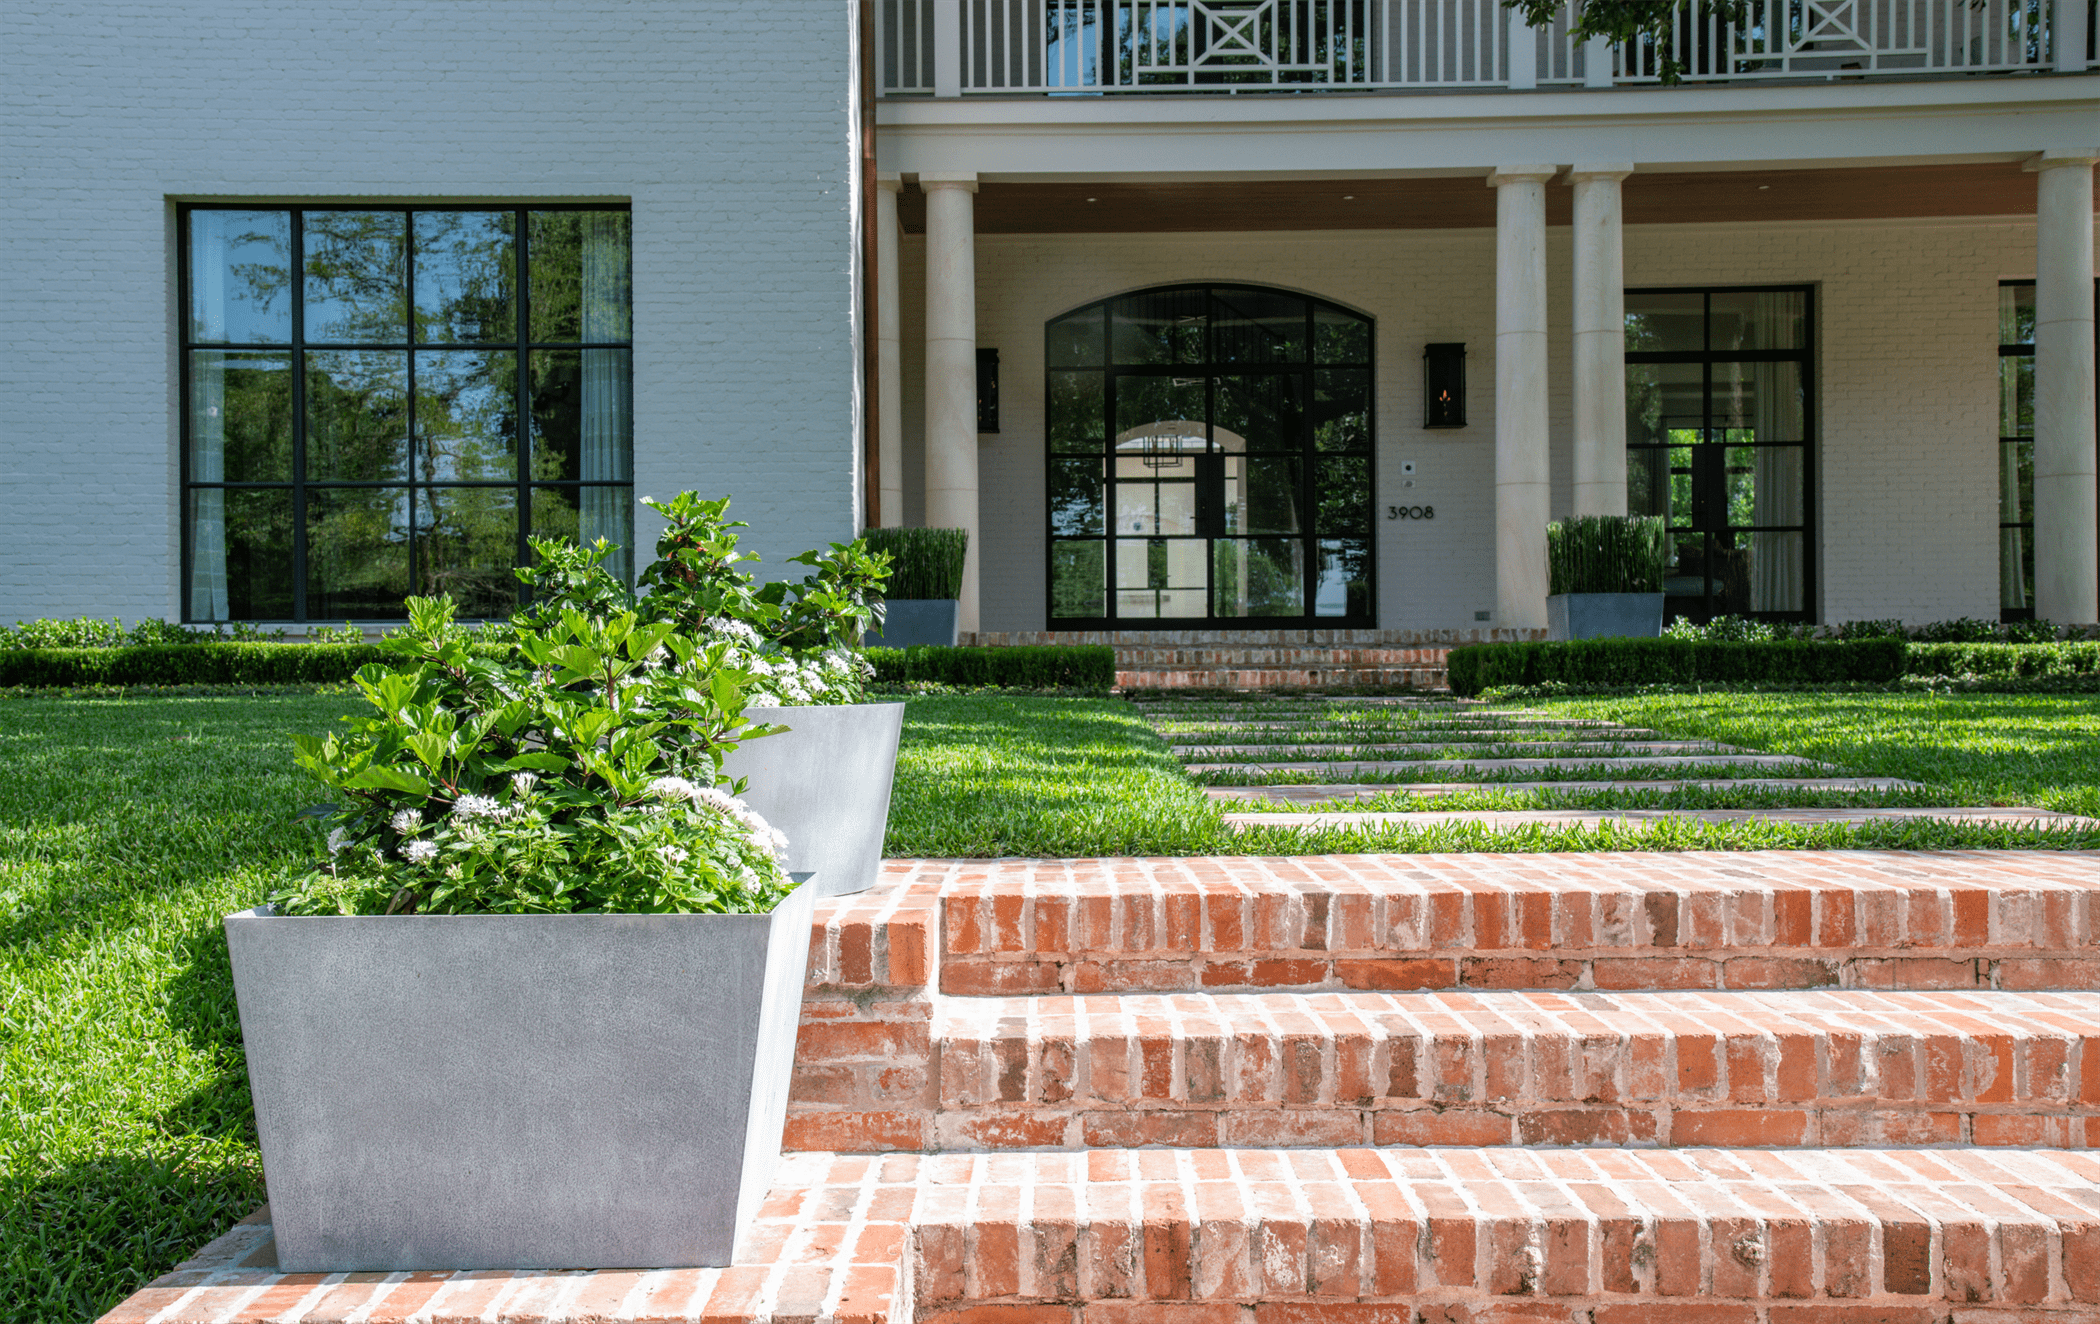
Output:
x=299 y=540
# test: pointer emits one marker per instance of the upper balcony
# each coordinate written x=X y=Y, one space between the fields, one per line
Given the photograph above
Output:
x=1105 y=48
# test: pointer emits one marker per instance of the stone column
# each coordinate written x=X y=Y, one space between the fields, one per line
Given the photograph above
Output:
x=889 y=356
x=2066 y=502
x=1600 y=340
x=951 y=369
x=1521 y=460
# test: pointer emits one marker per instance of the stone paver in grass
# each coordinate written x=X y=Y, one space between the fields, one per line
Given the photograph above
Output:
x=1676 y=765
x=1584 y=749
x=2000 y=816
x=1320 y=792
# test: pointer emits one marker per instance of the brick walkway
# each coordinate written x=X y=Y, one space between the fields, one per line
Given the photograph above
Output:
x=1655 y=1089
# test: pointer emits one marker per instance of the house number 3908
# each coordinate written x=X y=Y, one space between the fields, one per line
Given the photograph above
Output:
x=1410 y=512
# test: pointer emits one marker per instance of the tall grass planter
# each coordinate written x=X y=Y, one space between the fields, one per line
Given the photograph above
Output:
x=926 y=574
x=1605 y=574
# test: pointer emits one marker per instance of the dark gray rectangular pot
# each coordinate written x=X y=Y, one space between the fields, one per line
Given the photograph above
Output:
x=918 y=621
x=1604 y=615
x=518 y=1091
x=825 y=782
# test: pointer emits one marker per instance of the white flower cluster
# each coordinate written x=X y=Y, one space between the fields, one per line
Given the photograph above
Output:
x=470 y=806
x=761 y=834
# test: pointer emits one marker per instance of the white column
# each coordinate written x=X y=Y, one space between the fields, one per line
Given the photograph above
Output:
x=1523 y=53
x=1596 y=62
x=1600 y=340
x=2066 y=502
x=1521 y=460
x=951 y=369
x=947 y=47
x=889 y=356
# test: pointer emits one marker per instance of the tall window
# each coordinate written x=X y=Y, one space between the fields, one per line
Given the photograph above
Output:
x=386 y=401
x=2016 y=450
x=1209 y=451
x=1719 y=411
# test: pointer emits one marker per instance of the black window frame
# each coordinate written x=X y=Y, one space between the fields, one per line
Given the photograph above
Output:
x=1810 y=442
x=2023 y=349
x=1210 y=369
x=296 y=347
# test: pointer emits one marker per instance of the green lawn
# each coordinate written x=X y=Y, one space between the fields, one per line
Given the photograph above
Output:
x=128 y=827
x=1973 y=749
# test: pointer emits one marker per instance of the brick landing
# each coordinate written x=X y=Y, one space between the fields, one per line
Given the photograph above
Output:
x=1356 y=1236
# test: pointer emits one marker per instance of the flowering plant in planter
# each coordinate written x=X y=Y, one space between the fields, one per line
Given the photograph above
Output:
x=799 y=642
x=577 y=774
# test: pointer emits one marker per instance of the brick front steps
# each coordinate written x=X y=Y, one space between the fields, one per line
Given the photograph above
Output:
x=1214 y=1070
x=1268 y=659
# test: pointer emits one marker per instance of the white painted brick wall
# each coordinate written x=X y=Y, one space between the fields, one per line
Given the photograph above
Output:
x=1906 y=390
x=725 y=123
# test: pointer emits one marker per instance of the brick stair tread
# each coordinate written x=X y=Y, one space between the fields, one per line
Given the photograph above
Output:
x=1504 y=819
x=1298 y=1237
x=1505 y=1067
x=1313 y=793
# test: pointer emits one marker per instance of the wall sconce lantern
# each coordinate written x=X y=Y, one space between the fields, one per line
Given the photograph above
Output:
x=1444 y=386
x=987 y=390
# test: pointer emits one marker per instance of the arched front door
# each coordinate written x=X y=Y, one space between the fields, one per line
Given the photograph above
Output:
x=1209 y=452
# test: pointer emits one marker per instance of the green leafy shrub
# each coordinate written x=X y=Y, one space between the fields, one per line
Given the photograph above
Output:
x=924 y=563
x=187 y=664
x=2024 y=661
x=799 y=640
x=88 y=632
x=579 y=773
x=1670 y=661
x=1962 y=630
x=1034 y=667
x=1606 y=554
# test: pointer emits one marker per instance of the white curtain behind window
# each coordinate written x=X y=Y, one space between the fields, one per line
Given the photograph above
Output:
x=1776 y=570
x=608 y=389
x=208 y=504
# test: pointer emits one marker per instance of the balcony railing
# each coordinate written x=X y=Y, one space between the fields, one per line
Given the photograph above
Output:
x=1095 y=47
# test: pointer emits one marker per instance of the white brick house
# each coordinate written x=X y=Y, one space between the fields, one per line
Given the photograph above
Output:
x=313 y=307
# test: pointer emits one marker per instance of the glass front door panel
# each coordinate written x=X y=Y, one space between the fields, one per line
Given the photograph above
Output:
x=1719 y=413
x=1238 y=486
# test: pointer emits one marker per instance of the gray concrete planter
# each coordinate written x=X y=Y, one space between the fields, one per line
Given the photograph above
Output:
x=919 y=621
x=1604 y=615
x=826 y=783
x=518 y=1091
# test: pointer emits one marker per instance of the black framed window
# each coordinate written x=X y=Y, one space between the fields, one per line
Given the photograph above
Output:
x=1209 y=453
x=386 y=401
x=1720 y=412
x=2016 y=447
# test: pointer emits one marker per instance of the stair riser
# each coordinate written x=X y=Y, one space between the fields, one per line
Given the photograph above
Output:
x=1283 y=678
x=1186 y=939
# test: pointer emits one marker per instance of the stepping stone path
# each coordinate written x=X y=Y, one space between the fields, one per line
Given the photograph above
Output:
x=1363 y=747
x=1795 y=1087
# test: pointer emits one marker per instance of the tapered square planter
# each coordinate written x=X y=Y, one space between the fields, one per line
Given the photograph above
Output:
x=909 y=621
x=518 y=1091
x=1604 y=615
x=825 y=782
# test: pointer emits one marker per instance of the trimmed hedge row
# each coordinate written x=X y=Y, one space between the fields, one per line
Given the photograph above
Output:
x=1476 y=667
x=187 y=664
x=1030 y=667
x=2015 y=660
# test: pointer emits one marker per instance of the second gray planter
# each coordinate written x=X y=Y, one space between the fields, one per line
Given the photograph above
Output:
x=909 y=621
x=1604 y=615
x=825 y=782
x=518 y=1091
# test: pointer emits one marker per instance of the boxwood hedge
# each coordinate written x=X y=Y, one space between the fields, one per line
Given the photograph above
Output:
x=1031 y=667
x=1476 y=667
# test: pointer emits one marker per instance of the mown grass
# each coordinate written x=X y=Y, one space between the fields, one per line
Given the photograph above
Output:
x=1973 y=749
x=127 y=830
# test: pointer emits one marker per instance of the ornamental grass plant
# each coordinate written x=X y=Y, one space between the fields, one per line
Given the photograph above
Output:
x=1606 y=554
x=925 y=564
x=572 y=762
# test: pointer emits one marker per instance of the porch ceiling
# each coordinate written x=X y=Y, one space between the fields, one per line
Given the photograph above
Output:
x=1881 y=192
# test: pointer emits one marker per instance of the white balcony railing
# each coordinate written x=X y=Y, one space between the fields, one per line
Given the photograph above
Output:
x=960 y=47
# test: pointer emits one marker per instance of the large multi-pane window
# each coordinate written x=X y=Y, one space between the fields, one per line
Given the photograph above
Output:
x=2016 y=450
x=1209 y=452
x=386 y=401
x=1719 y=412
